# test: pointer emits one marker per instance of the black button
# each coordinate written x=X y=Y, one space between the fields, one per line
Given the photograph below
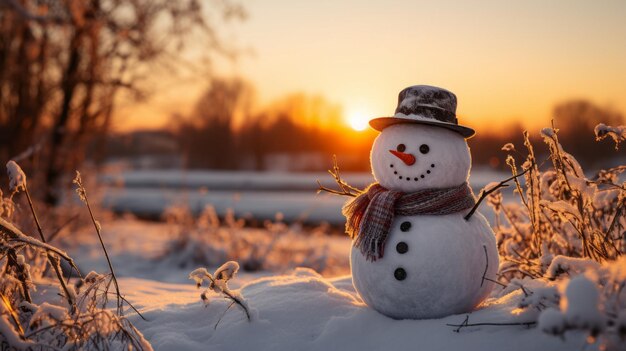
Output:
x=399 y=274
x=402 y=247
x=405 y=226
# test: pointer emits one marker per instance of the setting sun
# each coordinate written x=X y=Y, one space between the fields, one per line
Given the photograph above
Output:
x=358 y=121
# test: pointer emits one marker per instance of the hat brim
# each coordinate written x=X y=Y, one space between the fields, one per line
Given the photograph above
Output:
x=381 y=123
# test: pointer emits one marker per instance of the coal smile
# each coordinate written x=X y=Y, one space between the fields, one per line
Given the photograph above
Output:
x=416 y=178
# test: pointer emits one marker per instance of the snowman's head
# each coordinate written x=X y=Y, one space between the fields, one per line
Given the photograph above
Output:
x=409 y=157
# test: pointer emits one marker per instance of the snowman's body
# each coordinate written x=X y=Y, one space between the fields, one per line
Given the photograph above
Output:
x=433 y=265
x=443 y=258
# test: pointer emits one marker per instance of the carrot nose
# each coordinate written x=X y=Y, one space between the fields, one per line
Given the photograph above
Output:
x=408 y=159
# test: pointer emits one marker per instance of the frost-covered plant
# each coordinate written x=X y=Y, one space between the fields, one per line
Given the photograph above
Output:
x=259 y=251
x=208 y=241
x=218 y=284
x=593 y=301
x=17 y=183
x=25 y=325
x=196 y=240
x=6 y=206
x=560 y=212
x=82 y=194
x=618 y=134
x=563 y=243
x=84 y=322
x=17 y=177
x=94 y=330
x=292 y=247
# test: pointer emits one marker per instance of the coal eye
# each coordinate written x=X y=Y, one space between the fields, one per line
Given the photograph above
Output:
x=424 y=148
x=401 y=147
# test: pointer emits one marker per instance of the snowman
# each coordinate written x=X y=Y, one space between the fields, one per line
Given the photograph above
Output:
x=414 y=255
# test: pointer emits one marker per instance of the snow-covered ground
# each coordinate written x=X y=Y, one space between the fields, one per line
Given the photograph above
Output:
x=296 y=309
x=305 y=311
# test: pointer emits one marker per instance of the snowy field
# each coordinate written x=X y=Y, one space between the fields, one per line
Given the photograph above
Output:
x=250 y=194
x=295 y=279
x=294 y=309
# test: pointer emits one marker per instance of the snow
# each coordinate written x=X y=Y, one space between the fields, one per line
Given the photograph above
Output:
x=582 y=305
x=92 y=277
x=540 y=297
x=46 y=310
x=570 y=265
x=227 y=271
x=305 y=311
x=17 y=178
x=198 y=275
x=548 y=132
x=618 y=133
x=508 y=147
x=552 y=321
x=564 y=209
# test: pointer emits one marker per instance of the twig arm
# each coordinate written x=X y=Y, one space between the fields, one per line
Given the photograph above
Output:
x=484 y=193
x=345 y=189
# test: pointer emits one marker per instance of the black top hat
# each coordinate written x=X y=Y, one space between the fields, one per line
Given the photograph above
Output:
x=425 y=104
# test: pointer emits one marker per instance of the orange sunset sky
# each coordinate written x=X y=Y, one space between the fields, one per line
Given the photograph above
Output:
x=506 y=60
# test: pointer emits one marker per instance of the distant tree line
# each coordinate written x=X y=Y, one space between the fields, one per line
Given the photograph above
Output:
x=222 y=131
x=575 y=121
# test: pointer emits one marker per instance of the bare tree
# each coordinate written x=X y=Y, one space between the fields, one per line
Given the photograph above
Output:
x=64 y=65
x=207 y=135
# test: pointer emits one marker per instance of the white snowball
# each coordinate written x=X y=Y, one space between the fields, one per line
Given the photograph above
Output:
x=552 y=321
x=444 y=267
x=447 y=162
x=582 y=304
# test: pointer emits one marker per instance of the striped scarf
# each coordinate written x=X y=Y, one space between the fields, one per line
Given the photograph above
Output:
x=369 y=215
